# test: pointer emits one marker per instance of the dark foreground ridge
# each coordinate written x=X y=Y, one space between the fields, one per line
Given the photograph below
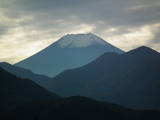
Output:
x=15 y=91
x=78 y=108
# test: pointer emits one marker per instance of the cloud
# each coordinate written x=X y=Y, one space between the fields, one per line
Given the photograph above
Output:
x=134 y=37
x=27 y=26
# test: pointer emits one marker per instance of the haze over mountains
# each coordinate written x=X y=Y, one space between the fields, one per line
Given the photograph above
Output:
x=130 y=79
x=24 y=100
x=71 y=51
x=26 y=74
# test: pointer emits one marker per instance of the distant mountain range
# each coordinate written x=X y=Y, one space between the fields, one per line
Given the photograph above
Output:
x=71 y=51
x=131 y=79
x=22 y=99
x=26 y=74
x=15 y=91
x=82 y=65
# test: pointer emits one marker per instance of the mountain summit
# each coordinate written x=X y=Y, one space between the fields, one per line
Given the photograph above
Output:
x=80 y=40
x=70 y=51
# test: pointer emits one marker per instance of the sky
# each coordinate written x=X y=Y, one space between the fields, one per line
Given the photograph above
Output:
x=28 y=26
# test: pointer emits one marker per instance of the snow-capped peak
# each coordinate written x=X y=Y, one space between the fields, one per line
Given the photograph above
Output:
x=80 y=40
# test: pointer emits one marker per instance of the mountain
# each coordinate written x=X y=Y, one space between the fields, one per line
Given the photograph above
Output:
x=42 y=80
x=70 y=51
x=15 y=91
x=78 y=108
x=131 y=79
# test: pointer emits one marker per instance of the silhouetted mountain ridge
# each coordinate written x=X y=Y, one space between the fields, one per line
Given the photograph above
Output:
x=25 y=74
x=15 y=91
x=130 y=79
x=80 y=108
x=114 y=78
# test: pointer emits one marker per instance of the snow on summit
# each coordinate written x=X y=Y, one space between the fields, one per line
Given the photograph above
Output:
x=80 y=40
x=70 y=51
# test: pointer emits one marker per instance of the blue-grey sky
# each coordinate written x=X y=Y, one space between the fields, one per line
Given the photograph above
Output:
x=27 y=26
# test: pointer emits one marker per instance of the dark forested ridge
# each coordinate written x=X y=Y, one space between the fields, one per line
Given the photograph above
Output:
x=131 y=79
x=78 y=108
x=15 y=91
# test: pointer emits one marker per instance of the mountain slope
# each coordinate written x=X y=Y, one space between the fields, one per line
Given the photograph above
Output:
x=15 y=91
x=78 y=108
x=70 y=51
x=131 y=79
x=26 y=74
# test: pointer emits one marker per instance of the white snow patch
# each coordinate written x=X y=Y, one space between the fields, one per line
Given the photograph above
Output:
x=80 y=40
